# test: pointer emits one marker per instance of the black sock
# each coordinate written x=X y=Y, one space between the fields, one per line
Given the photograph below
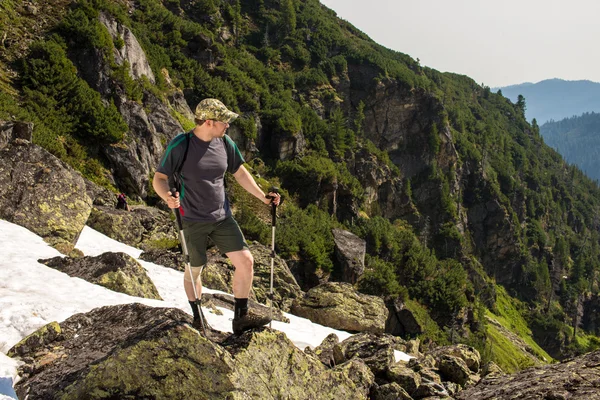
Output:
x=241 y=307
x=195 y=309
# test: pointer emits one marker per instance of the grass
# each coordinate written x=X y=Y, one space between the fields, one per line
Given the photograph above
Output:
x=504 y=352
x=500 y=349
x=431 y=329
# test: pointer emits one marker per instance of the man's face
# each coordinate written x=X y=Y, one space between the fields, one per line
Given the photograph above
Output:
x=220 y=128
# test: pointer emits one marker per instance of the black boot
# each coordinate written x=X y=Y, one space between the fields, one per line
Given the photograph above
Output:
x=245 y=319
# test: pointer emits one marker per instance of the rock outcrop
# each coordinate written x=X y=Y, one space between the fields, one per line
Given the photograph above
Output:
x=350 y=255
x=573 y=379
x=150 y=121
x=40 y=192
x=134 y=351
x=130 y=51
x=401 y=321
x=339 y=306
x=115 y=271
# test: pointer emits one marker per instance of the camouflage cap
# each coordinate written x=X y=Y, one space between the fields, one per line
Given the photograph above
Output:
x=215 y=110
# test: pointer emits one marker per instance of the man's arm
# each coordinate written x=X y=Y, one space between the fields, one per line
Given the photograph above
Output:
x=160 y=183
x=245 y=179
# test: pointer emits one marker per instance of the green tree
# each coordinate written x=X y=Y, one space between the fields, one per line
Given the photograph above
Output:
x=521 y=104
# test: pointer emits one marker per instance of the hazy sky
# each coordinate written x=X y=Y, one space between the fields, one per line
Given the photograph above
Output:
x=497 y=43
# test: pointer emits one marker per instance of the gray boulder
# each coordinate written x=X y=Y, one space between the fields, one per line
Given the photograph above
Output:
x=43 y=194
x=575 y=379
x=131 y=51
x=115 y=271
x=389 y=391
x=350 y=253
x=340 y=306
x=401 y=321
x=324 y=351
x=11 y=130
x=377 y=351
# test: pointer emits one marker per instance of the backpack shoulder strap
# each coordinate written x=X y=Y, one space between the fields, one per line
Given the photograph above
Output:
x=177 y=172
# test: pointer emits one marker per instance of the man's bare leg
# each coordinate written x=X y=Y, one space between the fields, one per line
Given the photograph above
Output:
x=242 y=284
x=188 y=278
x=244 y=272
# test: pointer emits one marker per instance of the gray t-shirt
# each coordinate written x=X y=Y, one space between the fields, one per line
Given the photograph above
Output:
x=202 y=191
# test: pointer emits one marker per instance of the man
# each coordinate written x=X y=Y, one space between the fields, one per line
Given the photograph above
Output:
x=204 y=206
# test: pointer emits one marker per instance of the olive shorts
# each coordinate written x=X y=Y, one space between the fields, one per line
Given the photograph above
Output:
x=226 y=234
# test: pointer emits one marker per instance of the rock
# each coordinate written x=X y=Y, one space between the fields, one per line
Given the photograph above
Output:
x=424 y=362
x=389 y=391
x=454 y=369
x=492 y=370
x=12 y=130
x=100 y=196
x=377 y=351
x=115 y=271
x=401 y=321
x=431 y=391
x=166 y=258
x=285 y=147
x=134 y=159
x=42 y=193
x=179 y=104
x=307 y=274
x=349 y=254
x=339 y=306
x=324 y=351
x=468 y=354
x=574 y=379
x=285 y=288
x=131 y=51
x=151 y=125
x=401 y=374
x=43 y=336
x=144 y=227
x=135 y=351
x=382 y=187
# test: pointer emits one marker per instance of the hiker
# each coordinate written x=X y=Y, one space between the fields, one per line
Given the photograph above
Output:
x=202 y=156
x=122 y=202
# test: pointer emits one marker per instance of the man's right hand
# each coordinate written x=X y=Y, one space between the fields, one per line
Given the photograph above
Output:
x=173 y=200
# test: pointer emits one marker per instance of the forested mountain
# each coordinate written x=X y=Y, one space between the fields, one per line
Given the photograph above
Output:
x=555 y=99
x=467 y=214
x=577 y=139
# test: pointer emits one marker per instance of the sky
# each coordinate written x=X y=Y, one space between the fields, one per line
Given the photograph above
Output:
x=33 y=295
x=497 y=43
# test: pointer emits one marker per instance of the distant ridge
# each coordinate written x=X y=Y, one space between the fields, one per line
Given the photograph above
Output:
x=577 y=139
x=555 y=99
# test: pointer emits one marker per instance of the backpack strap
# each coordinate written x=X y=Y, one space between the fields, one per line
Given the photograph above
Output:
x=177 y=172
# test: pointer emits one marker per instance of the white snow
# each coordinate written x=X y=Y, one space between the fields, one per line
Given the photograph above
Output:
x=32 y=295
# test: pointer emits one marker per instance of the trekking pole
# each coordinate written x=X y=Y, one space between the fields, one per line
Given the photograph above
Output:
x=186 y=258
x=273 y=223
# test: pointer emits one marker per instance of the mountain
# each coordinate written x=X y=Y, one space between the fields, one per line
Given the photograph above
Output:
x=577 y=139
x=468 y=218
x=555 y=99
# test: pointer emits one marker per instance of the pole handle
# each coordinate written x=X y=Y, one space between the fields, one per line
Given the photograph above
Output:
x=273 y=205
